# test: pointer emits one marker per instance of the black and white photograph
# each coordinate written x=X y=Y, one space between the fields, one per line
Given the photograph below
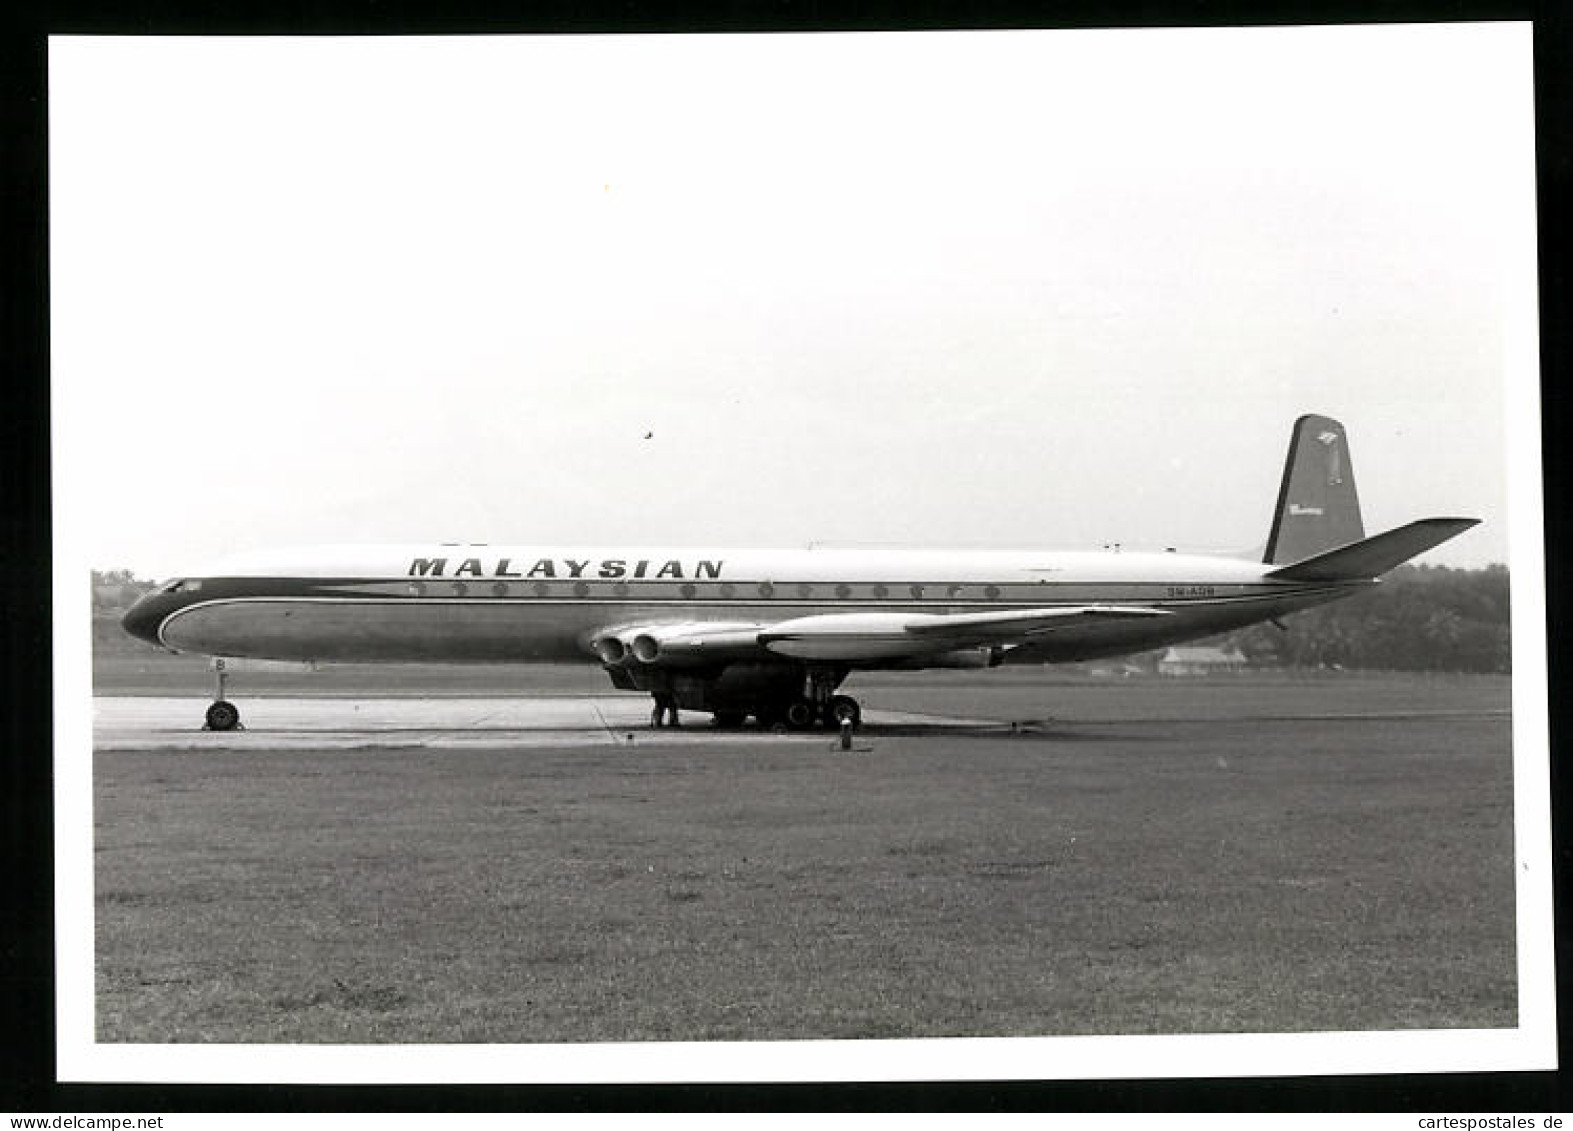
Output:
x=865 y=556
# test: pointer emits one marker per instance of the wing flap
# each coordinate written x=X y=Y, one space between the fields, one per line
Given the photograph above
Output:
x=1030 y=622
x=873 y=636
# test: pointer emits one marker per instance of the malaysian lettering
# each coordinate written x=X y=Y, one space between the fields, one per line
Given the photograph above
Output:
x=609 y=568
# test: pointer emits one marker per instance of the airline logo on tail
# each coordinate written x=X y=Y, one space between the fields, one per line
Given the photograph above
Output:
x=1335 y=475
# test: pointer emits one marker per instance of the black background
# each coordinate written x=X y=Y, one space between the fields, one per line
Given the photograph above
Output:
x=27 y=1069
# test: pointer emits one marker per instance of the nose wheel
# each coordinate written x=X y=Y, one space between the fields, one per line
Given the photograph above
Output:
x=222 y=714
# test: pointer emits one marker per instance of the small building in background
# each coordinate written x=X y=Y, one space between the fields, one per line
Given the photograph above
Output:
x=1117 y=671
x=1198 y=660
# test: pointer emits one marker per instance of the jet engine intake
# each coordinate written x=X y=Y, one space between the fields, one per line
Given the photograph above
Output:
x=646 y=648
x=612 y=650
x=695 y=646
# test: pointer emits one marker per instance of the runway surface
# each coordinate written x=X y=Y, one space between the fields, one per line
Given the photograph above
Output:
x=1146 y=857
x=168 y=723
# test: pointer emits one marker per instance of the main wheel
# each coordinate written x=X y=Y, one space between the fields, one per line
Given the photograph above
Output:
x=800 y=715
x=845 y=707
x=222 y=716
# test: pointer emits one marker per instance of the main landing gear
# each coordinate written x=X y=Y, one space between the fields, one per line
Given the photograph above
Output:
x=806 y=714
x=818 y=706
x=844 y=708
x=221 y=714
x=798 y=714
x=797 y=697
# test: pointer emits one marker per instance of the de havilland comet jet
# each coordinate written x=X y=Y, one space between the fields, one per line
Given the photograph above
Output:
x=773 y=633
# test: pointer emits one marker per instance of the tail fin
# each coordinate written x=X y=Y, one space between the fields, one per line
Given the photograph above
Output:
x=1318 y=508
x=1376 y=555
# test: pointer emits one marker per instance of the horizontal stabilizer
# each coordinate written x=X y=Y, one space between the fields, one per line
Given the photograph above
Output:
x=1372 y=557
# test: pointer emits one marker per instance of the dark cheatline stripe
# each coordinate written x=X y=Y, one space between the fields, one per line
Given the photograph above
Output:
x=708 y=592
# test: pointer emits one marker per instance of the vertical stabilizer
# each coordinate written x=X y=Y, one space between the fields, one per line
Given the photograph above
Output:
x=1318 y=509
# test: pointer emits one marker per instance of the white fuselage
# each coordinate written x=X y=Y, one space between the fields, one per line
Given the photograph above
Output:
x=482 y=603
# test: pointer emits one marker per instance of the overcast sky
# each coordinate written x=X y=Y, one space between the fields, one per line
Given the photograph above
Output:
x=1054 y=289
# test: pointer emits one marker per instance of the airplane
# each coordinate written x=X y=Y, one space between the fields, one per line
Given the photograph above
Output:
x=773 y=634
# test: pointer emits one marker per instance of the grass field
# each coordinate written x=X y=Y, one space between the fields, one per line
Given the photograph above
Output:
x=1161 y=857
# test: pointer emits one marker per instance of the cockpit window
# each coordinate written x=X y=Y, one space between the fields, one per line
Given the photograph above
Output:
x=181 y=585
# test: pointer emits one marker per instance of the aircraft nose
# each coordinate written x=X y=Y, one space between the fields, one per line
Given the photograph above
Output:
x=143 y=618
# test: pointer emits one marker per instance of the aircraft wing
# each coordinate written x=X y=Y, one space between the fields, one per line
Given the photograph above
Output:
x=846 y=636
x=871 y=636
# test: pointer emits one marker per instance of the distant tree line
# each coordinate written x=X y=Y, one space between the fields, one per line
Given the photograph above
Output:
x=115 y=590
x=1420 y=618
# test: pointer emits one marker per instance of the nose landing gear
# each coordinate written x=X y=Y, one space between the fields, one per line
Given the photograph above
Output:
x=221 y=714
